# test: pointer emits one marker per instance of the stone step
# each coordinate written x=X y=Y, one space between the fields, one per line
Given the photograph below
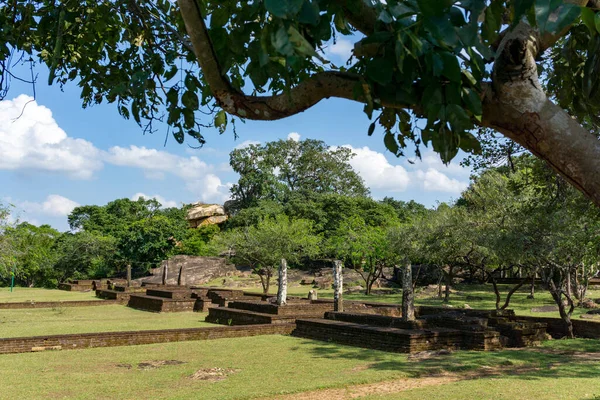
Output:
x=170 y=294
x=294 y=308
x=122 y=297
x=232 y=316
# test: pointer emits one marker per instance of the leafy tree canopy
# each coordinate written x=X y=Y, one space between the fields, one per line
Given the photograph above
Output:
x=285 y=168
x=427 y=71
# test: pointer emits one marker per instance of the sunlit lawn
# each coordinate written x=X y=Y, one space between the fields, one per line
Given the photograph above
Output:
x=20 y=294
x=110 y=318
x=270 y=366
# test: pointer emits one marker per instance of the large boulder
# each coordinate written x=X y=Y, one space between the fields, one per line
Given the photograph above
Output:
x=189 y=270
x=206 y=214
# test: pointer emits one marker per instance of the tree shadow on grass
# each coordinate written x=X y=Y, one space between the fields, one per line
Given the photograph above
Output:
x=577 y=358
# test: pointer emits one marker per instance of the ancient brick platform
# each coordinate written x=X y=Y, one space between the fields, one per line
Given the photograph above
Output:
x=394 y=339
x=245 y=312
x=76 y=286
x=120 y=297
x=160 y=304
x=110 y=339
x=55 y=304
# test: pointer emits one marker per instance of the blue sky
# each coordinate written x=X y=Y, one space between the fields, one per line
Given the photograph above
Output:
x=57 y=155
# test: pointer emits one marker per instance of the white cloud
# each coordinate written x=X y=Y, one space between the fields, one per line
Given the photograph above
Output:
x=164 y=202
x=342 y=49
x=155 y=163
x=429 y=175
x=54 y=206
x=435 y=181
x=295 y=136
x=210 y=189
x=377 y=171
x=246 y=143
x=30 y=139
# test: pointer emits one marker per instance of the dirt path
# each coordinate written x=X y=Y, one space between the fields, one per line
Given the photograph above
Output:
x=356 y=391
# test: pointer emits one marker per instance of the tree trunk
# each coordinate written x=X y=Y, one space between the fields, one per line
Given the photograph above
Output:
x=338 y=286
x=568 y=284
x=564 y=314
x=282 y=290
x=532 y=288
x=439 y=284
x=408 y=306
x=448 y=283
x=511 y=292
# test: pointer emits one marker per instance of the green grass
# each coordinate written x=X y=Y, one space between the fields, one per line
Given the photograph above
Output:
x=110 y=318
x=269 y=366
x=20 y=294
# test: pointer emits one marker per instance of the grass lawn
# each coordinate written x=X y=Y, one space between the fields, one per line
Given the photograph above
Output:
x=272 y=366
x=110 y=318
x=20 y=294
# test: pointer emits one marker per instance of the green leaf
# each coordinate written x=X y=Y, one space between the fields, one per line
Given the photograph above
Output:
x=309 y=13
x=588 y=18
x=457 y=17
x=522 y=8
x=458 y=117
x=284 y=8
x=190 y=100
x=301 y=45
x=401 y=10
x=431 y=8
x=281 y=41
x=473 y=102
x=451 y=67
x=597 y=21
x=390 y=143
x=542 y=12
x=493 y=20
x=221 y=121
x=445 y=143
x=469 y=143
x=219 y=17
x=188 y=118
x=380 y=70
x=371 y=129
x=566 y=15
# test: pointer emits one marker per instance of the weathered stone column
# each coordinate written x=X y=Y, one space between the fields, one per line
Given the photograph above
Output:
x=282 y=290
x=408 y=306
x=128 y=275
x=338 y=286
x=165 y=272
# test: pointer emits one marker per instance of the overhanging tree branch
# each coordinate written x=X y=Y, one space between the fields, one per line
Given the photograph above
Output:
x=298 y=99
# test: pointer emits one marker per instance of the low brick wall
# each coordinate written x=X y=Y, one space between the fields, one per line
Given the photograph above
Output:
x=111 y=339
x=232 y=316
x=53 y=304
x=74 y=287
x=293 y=308
x=556 y=327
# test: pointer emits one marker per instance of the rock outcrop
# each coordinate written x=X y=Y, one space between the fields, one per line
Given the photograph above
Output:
x=206 y=214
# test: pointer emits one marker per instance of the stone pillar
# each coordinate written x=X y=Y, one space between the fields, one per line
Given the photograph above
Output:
x=282 y=290
x=165 y=272
x=128 y=275
x=408 y=306
x=338 y=286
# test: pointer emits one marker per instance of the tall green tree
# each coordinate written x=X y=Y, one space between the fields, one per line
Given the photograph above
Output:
x=34 y=255
x=84 y=255
x=263 y=246
x=278 y=170
x=364 y=248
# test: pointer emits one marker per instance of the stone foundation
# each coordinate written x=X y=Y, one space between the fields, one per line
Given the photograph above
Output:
x=110 y=339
